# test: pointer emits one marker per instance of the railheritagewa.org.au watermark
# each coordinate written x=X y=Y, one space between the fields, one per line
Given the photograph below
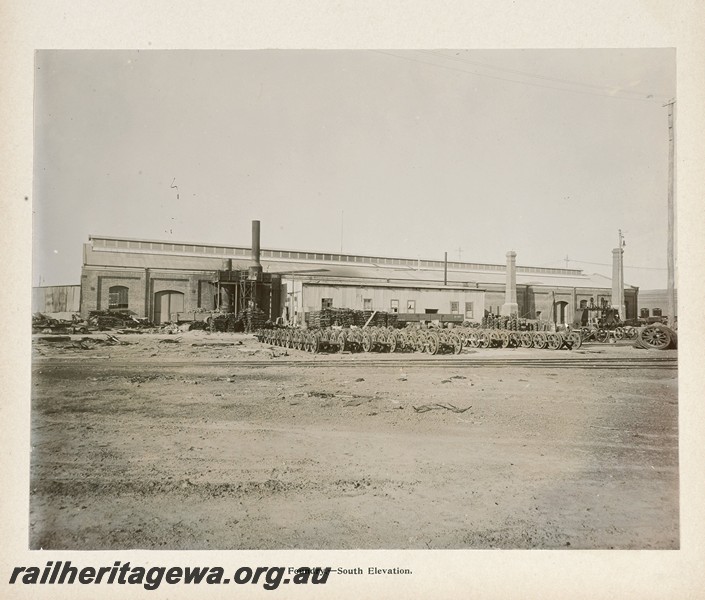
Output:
x=150 y=578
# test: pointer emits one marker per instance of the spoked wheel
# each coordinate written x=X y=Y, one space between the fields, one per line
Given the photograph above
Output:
x=392 y=341
x=527 y=339
x=619 y=333
x=457 y=343
x=655 y=337
x=433 y=343
x=366 y=342
x=342 y=338
x=381 y=339
x=554 y=341
x=316 y=342
x=575 y=340
x=473 y=339
x=602 y=335
x=503 y=338
x=420 y=344
x=484 y=339
x=540 y=340
x=631 y=333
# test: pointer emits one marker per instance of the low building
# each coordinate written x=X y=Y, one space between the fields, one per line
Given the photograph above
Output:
x=51 y=299
x=654 y=303
x=158 y=279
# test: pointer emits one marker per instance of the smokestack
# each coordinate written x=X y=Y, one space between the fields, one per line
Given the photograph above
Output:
x=617 y=283
x=256 y=269
x=255 y=243
x=445 y=269
x=510 y=306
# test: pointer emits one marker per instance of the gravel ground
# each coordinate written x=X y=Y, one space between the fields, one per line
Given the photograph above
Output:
x=129 y=451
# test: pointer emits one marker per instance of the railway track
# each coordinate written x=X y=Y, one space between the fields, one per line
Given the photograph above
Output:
x=376 y=361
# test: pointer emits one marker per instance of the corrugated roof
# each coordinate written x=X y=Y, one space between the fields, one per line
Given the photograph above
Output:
x=398 y=275
x=322 y=270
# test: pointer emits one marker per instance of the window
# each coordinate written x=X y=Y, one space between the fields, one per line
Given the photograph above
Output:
x=644 y=313
x=468 y=310
x=394 y=306
x=326 y=303
x=411 y=306
x=367 y=304
x=657 y=312
x=117 y=297
x=454 y=308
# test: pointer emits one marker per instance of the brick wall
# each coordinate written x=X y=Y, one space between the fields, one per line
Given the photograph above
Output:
x=142 y=285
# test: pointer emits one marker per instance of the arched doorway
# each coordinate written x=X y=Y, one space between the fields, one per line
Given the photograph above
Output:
x=167 y=303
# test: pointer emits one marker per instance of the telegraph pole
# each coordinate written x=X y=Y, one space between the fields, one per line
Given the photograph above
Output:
x=671 y=217
x=622 y=302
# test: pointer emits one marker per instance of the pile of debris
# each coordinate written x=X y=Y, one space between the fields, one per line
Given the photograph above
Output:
x=105 y=319
x=42 y=323
x=229 y=322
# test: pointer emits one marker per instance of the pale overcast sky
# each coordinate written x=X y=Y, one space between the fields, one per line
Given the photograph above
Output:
x=414 y=153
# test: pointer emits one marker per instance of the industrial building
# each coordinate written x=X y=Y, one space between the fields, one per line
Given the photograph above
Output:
x=162 y=279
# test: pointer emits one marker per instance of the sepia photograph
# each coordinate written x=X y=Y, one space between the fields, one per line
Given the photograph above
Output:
x=366 y=299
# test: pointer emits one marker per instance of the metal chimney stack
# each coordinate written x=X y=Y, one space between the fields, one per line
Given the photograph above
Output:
x=256 y=269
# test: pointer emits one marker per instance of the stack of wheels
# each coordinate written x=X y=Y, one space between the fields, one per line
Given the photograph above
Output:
x=656 y=337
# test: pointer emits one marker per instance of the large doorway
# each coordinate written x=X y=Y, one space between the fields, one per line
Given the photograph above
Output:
x=167 y=303
x=561 y=313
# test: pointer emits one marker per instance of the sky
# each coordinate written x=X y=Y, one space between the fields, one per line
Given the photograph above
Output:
x=407 y=153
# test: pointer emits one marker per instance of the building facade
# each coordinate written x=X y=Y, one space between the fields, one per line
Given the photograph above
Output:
x=160 y=279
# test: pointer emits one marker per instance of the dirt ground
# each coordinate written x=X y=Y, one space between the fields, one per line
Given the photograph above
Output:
x=131 y=449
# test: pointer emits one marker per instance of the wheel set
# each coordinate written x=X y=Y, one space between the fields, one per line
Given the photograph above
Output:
x=428 y=341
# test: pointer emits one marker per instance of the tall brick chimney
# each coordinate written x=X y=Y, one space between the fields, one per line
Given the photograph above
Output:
x=256 y=268
x=510 y=306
